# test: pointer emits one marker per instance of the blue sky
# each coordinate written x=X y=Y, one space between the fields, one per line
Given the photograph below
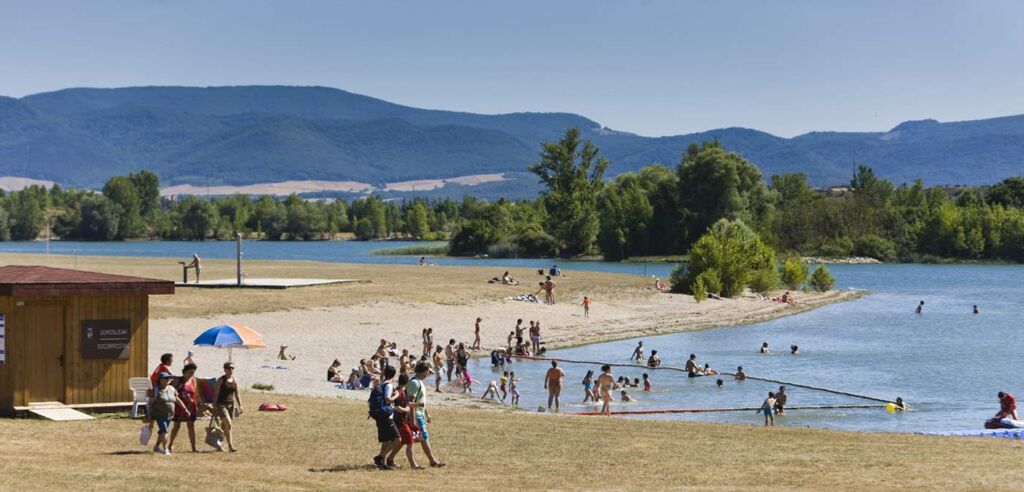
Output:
x=650 y=67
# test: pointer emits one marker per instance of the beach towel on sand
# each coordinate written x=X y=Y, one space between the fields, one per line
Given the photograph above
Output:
x=273 y=407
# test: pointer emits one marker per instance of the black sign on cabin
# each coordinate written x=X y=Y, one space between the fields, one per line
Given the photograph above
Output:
x=106 y=339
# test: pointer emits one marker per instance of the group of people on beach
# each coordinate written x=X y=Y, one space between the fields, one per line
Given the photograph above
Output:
x=178 y=399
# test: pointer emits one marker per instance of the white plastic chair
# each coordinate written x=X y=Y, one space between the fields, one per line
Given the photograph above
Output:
x=140 y=388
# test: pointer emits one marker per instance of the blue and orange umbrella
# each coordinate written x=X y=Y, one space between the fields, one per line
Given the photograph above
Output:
x=230 y=337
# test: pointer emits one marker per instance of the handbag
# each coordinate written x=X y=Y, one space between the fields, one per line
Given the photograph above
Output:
x=145 y=434
x=215 y=435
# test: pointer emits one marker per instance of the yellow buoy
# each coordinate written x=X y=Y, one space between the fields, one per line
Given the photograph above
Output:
x=890 y=407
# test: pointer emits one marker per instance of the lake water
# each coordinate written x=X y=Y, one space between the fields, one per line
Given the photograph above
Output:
x=947 y=364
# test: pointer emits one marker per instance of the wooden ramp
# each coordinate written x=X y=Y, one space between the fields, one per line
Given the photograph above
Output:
x=55 y=410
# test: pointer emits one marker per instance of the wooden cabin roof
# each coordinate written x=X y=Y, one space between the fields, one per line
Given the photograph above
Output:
x=47 y=281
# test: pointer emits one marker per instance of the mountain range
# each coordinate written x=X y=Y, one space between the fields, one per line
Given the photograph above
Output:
x=263 y=134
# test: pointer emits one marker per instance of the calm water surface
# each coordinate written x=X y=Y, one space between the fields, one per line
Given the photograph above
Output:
x=947 y=364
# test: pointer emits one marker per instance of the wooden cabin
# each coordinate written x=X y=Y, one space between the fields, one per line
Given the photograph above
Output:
x=71 y=336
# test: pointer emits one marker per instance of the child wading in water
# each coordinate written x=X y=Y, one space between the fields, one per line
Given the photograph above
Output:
x=588 y=387
x=647 y=383
x=767 y=408
x=514 y=387
x=504 y=386
x=586 y=307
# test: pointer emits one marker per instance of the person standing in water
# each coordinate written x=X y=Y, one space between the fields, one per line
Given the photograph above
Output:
x=920 y=309
x=553 y=383
x=638 y=352
x=780 y=400
x=975 y=310
x=588 y=387
x=604 y=385
x=764 y=348
x=767 y=408
x=654 y=360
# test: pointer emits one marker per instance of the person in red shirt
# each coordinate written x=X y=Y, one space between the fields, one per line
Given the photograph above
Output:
x=165 y=366
x=1007 y=407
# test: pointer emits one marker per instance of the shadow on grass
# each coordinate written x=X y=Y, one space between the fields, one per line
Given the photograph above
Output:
x=343 y=468
x=128 y=453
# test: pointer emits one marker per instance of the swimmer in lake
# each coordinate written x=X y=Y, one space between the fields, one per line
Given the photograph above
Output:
x=920 y=309
x=626 y=398
x=638 y=352
x=975 y=310
x=654 y=361
x=764 y=348
x=740 y=375
x=691 y=365
x=793 y=349
x=900 y=406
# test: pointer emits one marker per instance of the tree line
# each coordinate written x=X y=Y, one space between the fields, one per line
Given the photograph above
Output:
x=656 y=211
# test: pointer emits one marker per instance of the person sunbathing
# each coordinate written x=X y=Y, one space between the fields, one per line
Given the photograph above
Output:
x=658 y=286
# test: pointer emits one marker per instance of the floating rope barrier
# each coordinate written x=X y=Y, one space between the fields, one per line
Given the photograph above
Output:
x=714 y=410
x=679 y=369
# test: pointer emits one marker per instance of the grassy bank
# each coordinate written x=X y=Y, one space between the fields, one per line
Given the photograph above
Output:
x=426 y=249
x=325 y=444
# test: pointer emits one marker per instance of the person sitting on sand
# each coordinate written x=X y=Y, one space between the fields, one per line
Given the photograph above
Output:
x=332 y=372
x=740 y=375
x=353 y=379
x=625 y=397
x=1007 y=407
x=281 y=355
x=764 y=348
x=604 y=386
x=393 y=350
x=654 y=360
x=768 y=408
x=793 y=349
x=785 y=298
x=507 y=279
x=659 y=286
x=709 y=371
x=638 y=352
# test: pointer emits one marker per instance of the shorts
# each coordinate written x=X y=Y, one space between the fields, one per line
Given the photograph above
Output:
x=519 y=339
x=451 y=366
x=779 y=407
x=387 y=431
x=404 y=432
x=767 y=412
x=535 y=339
x=162 y=425
x=515 y=392
x=422 y=424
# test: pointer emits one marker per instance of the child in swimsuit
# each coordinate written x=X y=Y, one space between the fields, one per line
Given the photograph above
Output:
x=647 y=383
x=514 y=387
x=767 y=408
x=504 y=383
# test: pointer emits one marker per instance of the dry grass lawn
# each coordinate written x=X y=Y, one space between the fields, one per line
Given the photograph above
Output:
x=396 y=283
x=325 y=444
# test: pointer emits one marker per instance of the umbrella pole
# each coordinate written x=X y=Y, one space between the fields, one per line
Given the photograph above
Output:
x=230 y=350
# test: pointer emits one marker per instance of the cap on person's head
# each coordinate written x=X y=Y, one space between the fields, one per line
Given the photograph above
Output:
x=421 y=367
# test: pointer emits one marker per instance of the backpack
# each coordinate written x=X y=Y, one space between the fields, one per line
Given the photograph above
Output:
x=377 y=404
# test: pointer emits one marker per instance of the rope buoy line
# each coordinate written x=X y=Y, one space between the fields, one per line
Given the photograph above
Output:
x=679 y=369
x=713 y=410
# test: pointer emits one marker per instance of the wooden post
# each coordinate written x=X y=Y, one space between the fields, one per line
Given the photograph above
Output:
x=238 y=259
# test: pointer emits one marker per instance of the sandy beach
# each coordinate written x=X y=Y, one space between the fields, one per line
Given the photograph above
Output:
x=349 y=333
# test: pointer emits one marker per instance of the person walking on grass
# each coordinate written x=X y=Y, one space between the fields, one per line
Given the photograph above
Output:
x=227 y=397
x=188 y=412
x=553 y=383
x=604 y=385
x=161 y=410
x=381 y=403
x=476 y=335
x=404 y=421
x=768 y=408
x=417 y=395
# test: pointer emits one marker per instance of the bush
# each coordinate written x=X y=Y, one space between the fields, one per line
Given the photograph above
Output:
x=700 y=293
x=835 y=248
x=263 y=387
x=794 y=272
x=822 y=280
x=537 y=243
x=711 y=281
x=474 y=237
x=875 y=246
x=733 y=251
x=763 y=281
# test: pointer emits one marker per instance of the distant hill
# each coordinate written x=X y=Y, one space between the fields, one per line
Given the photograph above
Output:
x=245 y=135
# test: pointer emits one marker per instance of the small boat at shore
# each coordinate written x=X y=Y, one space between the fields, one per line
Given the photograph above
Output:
x=1004 y=424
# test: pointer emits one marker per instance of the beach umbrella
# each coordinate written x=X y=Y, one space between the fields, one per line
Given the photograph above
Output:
x=230 y=337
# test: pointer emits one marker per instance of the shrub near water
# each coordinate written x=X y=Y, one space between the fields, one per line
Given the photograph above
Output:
x=794 y=272
x=822 y=280
x=733 y=251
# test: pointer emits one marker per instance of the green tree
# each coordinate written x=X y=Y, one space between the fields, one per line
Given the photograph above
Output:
x=147 y=187
x=120 y=190
x=197 y=218
x=416 y=221
x=625 y=217
x=793 y=272
x=822 y=280
x=573 y=174
x=98 y=219
x=715 y=184
x=26 y=215
x=1008 y=193
x=731 y=249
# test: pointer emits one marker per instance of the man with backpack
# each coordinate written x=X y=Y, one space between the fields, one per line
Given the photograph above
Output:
x=382 y=411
